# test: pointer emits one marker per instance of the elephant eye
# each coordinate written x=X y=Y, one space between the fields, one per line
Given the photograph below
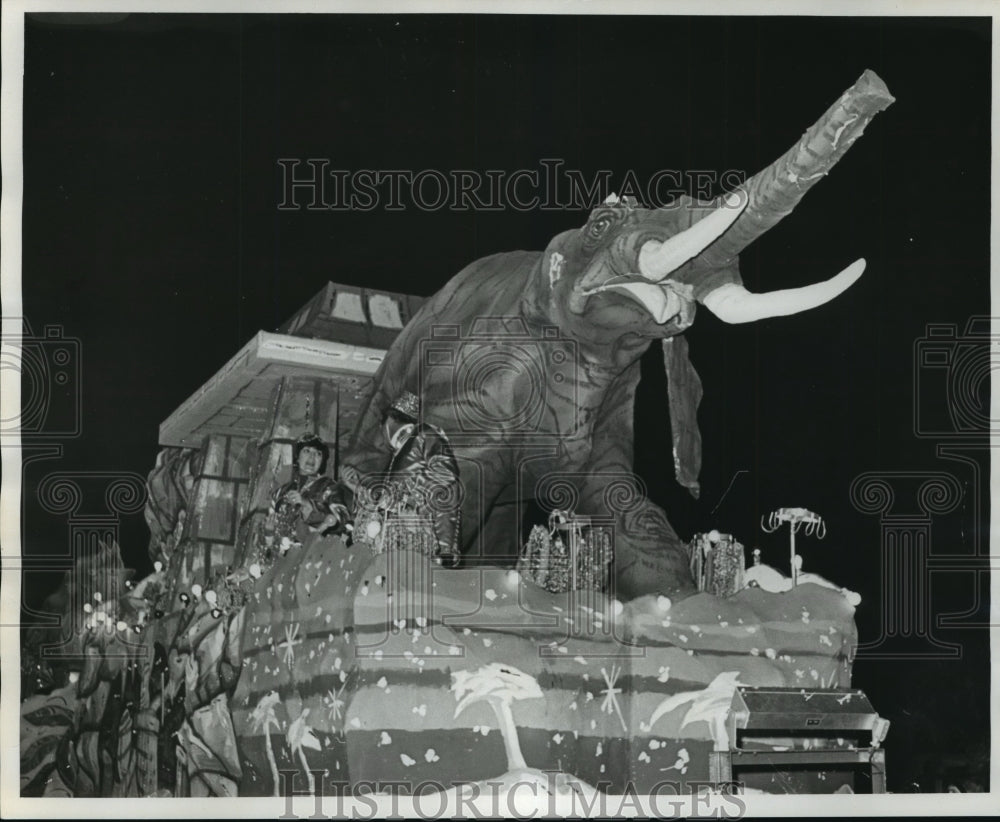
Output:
x=600 y=223
x=598 y=227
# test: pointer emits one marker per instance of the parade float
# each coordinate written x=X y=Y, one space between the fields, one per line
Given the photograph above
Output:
x=601 y=649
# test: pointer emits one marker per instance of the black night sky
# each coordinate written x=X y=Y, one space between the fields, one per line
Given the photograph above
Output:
x=152 y=235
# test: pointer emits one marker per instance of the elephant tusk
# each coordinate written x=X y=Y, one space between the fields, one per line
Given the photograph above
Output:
x=732 y=303
x=657 y=260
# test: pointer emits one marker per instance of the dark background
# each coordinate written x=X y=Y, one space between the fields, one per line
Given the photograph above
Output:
x=152 y=235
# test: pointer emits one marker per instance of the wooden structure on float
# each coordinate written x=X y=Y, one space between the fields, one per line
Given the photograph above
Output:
x=310 y=376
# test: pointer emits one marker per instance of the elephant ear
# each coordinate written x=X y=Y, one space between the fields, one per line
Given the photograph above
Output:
x=684 y=393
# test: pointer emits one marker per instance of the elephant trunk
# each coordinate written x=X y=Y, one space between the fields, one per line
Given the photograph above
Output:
x=777 y=189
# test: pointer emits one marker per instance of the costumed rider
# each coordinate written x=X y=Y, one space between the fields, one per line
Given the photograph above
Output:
x=310 y=501
x=416 y=503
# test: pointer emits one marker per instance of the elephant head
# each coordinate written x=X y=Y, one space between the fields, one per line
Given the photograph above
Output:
x=629 y=276
x=645 y=269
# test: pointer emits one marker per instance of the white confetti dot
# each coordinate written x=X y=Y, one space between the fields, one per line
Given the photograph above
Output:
x=407 y=760
x=654 y=744
x=663 y=603
x=385 y=739
x=430 y=755
x=381 y=683
x=770 y=653
x=490 y=594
